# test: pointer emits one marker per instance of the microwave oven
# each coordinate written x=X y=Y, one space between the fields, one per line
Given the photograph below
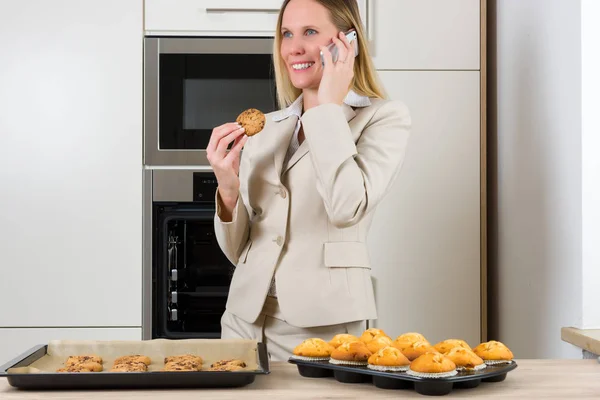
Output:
x=193 y=84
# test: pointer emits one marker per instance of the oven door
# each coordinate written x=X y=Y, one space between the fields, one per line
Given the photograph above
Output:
x=192 y=85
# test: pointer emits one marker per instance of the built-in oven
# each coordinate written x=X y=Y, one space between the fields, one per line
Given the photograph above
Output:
x=186 y=275
x=192 y=85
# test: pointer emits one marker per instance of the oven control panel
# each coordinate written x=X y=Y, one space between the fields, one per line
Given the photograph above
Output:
x=205 y=186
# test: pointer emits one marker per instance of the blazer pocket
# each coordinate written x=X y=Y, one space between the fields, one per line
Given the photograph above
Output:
x=346 y=254
x=244 y=254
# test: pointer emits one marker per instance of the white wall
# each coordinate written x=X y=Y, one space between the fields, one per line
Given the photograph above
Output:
x=590 y=43
x=535 y=175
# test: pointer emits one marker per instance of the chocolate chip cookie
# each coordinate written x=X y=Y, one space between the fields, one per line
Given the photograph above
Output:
x=228 y=365
x=252 y=120
x=134 y=358
x=129 y=367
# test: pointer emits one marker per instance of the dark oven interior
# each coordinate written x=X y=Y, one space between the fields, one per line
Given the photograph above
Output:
x=191 y=275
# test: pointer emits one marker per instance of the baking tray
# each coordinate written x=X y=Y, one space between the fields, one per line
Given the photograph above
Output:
x=121 y=380
x=401 y=380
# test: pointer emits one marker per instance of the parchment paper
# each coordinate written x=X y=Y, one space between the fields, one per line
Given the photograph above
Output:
x=211 y=350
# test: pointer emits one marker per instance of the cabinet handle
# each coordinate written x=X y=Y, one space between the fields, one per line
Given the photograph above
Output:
x=370 y=13
x=243 y=10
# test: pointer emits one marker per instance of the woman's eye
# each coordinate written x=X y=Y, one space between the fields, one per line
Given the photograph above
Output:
x=310 y=31
x=287 y=34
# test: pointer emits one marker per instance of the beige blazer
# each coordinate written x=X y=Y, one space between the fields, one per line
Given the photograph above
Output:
x=308 y=223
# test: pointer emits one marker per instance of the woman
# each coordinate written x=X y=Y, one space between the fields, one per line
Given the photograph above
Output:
x=293 y=212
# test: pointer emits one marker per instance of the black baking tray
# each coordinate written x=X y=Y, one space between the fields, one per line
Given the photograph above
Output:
x=401 y=380
x=128 y=380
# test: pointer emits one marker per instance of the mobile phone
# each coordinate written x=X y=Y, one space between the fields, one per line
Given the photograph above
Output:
x=352 y=39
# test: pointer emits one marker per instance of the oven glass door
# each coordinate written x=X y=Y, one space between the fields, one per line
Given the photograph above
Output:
x=195 y=84
x=191 y=274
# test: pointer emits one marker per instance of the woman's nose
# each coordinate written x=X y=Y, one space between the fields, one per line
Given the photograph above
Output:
x=297 y=46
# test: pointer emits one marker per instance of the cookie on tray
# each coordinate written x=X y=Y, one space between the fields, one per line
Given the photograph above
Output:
x=182 y=365
x=129 y=367
x=252 y=120
x=228 y=365
x=133 y=358
x=77 y=368
x=73 y=360
x=185 y=358
x=223 y=363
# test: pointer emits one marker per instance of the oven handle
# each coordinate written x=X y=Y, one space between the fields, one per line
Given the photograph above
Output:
x=243 y=10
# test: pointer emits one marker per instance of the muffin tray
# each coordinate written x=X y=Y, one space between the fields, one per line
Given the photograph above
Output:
x=401 y=380
x=120 y=380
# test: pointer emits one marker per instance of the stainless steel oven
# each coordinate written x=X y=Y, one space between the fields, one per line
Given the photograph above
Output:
x=193 y=84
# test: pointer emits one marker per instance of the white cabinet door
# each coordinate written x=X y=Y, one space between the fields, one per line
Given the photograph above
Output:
x=213 y=17
x=425 y=239
x=425 y=34
x=14 y=342
x=216 y=17
x=71 y=163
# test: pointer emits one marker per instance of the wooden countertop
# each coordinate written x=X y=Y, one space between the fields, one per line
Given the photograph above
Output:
x=533 y=379
x=587 y=339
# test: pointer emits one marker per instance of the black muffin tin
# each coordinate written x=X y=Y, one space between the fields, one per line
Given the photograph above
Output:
x=401 y=380
x=128 y=380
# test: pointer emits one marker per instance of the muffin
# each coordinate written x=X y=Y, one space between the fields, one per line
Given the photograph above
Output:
x=351 y=353
x=408 y=339
x=370 y=334
x=388 y=359
x=465 y=359
x=448 y=344
x=432 y=365
x=416 y=349
x=494 y=352
x=411 y=337
x=378 y=343
x=341 y=338
x=313 y=349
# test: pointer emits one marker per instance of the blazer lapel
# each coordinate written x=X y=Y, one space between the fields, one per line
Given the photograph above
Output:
x=285 y=131
x=349 y=113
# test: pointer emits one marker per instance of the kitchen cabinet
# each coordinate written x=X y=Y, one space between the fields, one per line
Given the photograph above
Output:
x=215 y=17
x=425 y=238
x=71 y=163
x=425 y=34
x=14 y=342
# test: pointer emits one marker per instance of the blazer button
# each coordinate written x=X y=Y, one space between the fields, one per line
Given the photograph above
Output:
x=282 y=193
x=279 y=240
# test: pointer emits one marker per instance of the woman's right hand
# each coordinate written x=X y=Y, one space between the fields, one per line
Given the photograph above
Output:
x=226 y=165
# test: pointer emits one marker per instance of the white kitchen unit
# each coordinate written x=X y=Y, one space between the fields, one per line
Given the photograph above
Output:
x=425 y=239
x=70 y=163
x=14 y=342
x=215 y=17
x=425 y=34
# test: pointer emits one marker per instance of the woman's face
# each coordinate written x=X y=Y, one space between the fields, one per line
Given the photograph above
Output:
x=305 y=26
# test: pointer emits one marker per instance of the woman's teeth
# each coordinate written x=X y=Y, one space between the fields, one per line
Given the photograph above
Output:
x=299 y=67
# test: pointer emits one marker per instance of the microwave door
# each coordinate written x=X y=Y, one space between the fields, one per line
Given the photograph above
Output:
x=192 y=85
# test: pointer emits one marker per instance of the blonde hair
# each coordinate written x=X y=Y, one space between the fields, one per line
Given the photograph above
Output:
x=345 y=16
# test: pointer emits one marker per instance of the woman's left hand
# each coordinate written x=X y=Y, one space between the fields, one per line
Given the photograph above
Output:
x=337 y=77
